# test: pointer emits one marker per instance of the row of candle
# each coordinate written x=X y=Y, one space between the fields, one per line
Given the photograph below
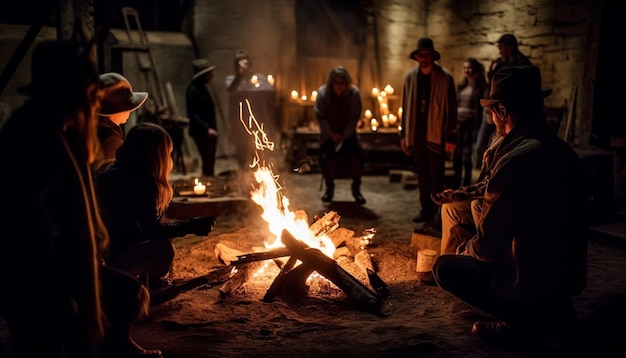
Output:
x=296 y=96
x=381 y=95
x=254 y=80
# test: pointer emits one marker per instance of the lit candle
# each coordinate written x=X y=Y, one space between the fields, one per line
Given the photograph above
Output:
x=392 y=119
x=385 y=119
x=389 y=89
x=199 y=188
x=384 y=107
x=303 y=97
x=368 y=114
x=254 y=80
x=313 y=96
x=375 y=92
x=400 y=113
x=270 y=80
x=294 y=95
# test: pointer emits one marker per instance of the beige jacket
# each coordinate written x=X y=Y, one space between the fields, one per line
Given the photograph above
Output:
x=442 y=113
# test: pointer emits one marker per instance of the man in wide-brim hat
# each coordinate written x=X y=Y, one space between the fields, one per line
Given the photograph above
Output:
x=429 y=117
x=524 y=255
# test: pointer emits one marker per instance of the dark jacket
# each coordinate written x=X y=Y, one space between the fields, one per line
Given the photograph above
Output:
x=48 y=226
x=127 y=200
x=533 y=225
x=200 y=108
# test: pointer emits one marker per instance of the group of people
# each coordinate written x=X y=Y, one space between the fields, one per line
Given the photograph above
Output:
x=84 y=218
x=443 y=121
x=513 y=243
x=84 y=228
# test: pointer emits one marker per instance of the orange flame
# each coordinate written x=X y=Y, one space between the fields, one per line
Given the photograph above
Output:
x=268 y=194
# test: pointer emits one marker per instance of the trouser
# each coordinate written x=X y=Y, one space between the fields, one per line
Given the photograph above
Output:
x=207 y=147
x=430 y=167
x=346 y=162
x=469 y=280
x=154 y=257
x=459 y=213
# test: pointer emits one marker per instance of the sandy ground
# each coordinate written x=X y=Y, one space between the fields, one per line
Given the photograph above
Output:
x=416 y=319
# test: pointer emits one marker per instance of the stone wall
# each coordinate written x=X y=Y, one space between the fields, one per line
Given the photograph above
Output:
x=560 y=36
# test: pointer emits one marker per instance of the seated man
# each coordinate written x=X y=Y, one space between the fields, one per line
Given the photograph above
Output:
x=528 y=254
x=338 y=110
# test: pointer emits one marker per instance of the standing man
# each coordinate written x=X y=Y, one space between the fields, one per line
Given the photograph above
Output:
x=521 y=238
x=429 y=119
x=201 y=113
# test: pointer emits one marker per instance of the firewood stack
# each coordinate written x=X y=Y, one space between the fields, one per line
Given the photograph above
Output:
x=354 y=274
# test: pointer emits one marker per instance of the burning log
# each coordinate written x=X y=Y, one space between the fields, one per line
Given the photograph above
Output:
x=260 y=256
x=379 y=285
x=289 y=280
x=340 y=236
x=364 y=261
x=241 y=276
x=326 y=224
x=315 y=260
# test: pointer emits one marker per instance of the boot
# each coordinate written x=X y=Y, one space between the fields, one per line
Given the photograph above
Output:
x=330 y=192
x=356 y=193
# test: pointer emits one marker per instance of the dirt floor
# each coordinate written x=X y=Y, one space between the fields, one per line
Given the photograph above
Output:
x=416 y=319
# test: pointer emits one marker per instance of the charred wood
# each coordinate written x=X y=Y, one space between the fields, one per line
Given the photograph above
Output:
x=241 y=276
x=330 y=269
x=216 y=277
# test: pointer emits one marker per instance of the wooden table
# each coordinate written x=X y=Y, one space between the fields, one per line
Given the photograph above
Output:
x=381 y=148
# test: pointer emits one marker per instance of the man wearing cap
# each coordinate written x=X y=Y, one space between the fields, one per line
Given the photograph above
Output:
x=429 y=118
x=117 y=102
x=525 y=247
x=201 y=113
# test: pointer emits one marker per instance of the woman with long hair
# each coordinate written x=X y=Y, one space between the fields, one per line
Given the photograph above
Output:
x=134 y=192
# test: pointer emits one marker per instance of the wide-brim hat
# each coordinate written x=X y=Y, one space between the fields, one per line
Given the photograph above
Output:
x=59 y=70
x=515 y=84
x=118 y=95
x=425 y=43
x=200 y=67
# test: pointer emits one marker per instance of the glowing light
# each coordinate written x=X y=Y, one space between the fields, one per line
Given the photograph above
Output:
x=294 y=95
x=268 y=194
x=199 y=188
x=270 y=80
